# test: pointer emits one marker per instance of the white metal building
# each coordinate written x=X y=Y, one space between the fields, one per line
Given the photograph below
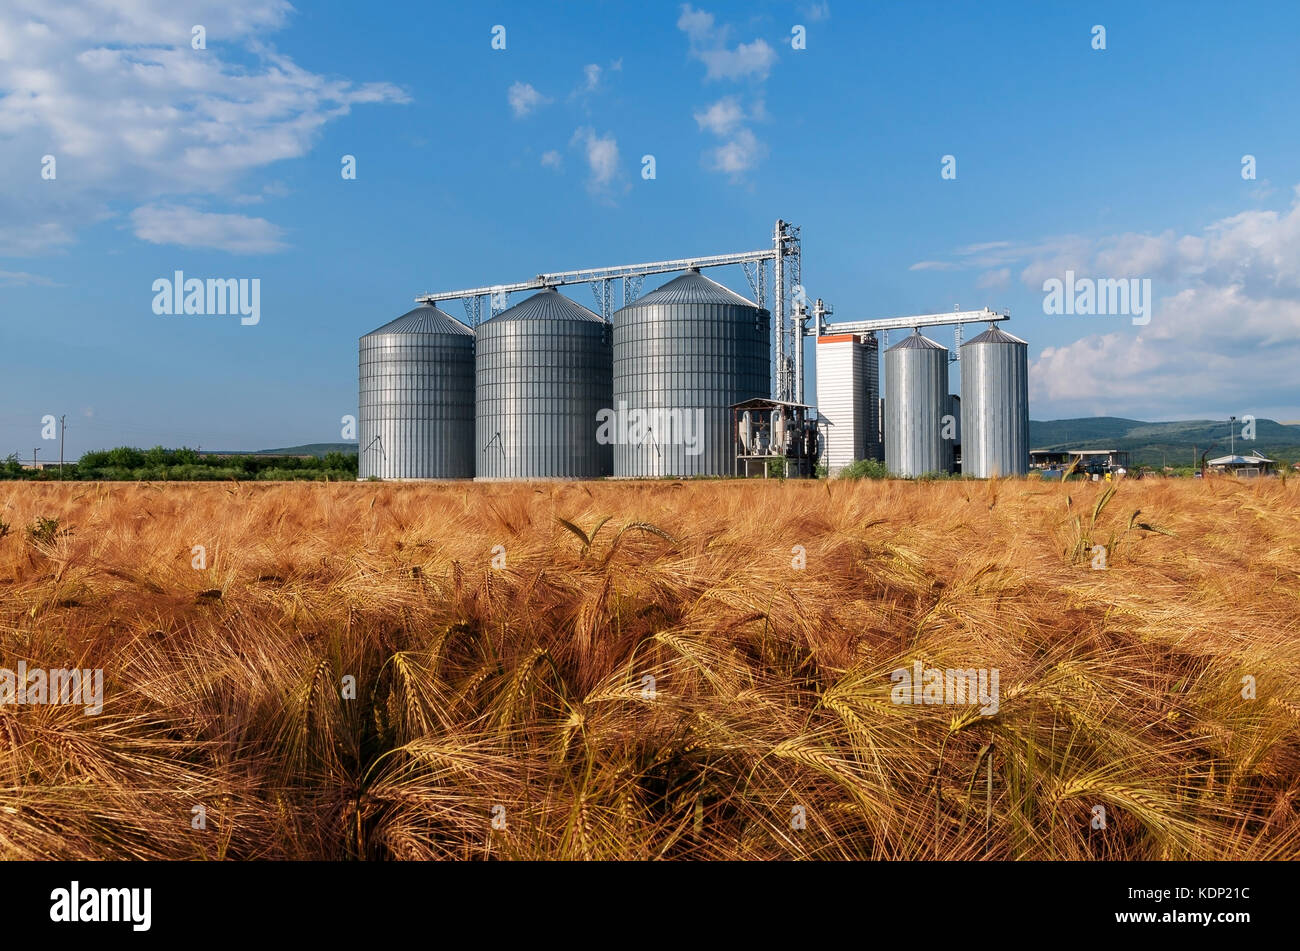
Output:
x=848 y=390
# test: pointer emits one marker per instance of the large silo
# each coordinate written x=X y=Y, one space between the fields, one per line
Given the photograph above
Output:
x=416 y=407
x=916 y=399
x=683 y=355
x=543 y=374
x=995 y=405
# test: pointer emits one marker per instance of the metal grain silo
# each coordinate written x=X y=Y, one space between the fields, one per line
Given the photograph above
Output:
x=542 y=375
x=683 y=355
x=916 y=399
x=995 y=405
x=416 y=407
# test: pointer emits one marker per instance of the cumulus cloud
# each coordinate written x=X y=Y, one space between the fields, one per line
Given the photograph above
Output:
x=1224 y=336
x=552 y=159
x=190 y=228
x=709 y=44
x=721 y=117
x=817 y=12
x=594 y=79
x=726 y=118
x=601 y=154
x=133 y=113
x=524 y=99
x=742 y=150
x=739 y=154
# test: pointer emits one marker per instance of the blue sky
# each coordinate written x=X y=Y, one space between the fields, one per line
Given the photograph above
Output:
x=476 y=166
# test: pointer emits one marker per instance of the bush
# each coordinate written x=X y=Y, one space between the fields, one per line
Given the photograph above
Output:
x=865 y=469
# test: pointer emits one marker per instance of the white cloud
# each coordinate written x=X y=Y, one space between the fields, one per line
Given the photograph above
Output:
x=523 y=99
x=817 y=12
x=748 y=59
x=21 y=236
x=738 y=155
x=594 y=79
x=997 y=278
x=1223 y=338
x=933 y=266
x=190 y=228
x=697 y=25
x=552 y=159
x=601 y=154
x=132 y=113
x=24 y=279
x=726 y=118
x=269 y=190
x=721 y=117
x=708 y=44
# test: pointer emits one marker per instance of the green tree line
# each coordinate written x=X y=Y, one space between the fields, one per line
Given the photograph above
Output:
x=127 y=464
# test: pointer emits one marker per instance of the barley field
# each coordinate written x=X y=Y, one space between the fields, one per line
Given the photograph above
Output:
x=700 y=670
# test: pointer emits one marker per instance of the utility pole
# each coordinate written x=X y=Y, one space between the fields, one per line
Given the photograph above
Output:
x=63 y=429
x=1232 y=434
x=34 y=452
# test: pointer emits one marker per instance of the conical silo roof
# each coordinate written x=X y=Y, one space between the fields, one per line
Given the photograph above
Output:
x=917 y=341
x=548 y=304
x=425 y=319
x=994 y=335
x=692 y=288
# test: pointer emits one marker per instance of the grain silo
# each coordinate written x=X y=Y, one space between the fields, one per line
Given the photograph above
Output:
x=416 y=400
x=542 y=377
x=995 y=405
x=916 y=399
x=683 y=355
x=848 y=398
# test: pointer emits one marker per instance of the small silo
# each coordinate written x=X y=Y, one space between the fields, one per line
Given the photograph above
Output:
x=995 y=405
x=683 y=355
x=543 y=374
x=916 y=399
x=416 y=398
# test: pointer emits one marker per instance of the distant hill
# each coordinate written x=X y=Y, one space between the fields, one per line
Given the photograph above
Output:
x=311 y=449
x=1176 y=443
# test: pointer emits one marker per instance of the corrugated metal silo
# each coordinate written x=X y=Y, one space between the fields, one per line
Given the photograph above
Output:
x=416 y=406
x=543 y=374
x=683 y=355
x=916 y=399
x=995 y=405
